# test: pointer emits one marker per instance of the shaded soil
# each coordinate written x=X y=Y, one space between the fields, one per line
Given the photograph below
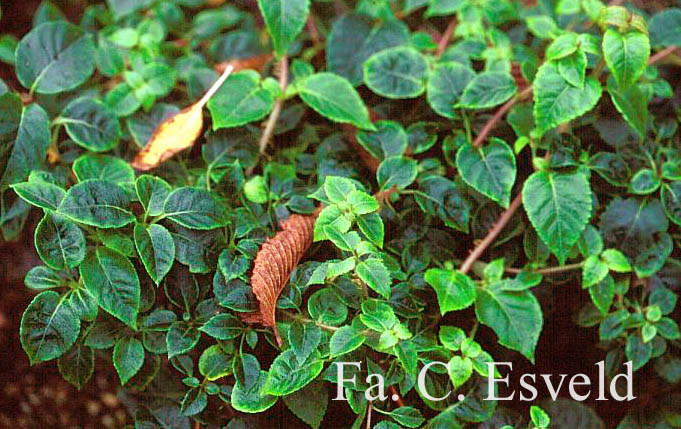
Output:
x=38 y=397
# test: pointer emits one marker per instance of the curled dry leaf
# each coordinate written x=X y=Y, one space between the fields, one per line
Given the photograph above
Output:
x=274 y=263
x=176 y=133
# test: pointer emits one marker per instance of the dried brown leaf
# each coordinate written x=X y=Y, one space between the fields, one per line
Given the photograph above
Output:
x=176 y=133
x=273 y=265
x=256 y=62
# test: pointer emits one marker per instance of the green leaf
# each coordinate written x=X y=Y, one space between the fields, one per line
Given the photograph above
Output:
x=455 y=291
x=616 y=261
x=112 y=280
x=362 y=203
x=396 y=171
x=304 y=339
x=337 y=188
x=194 y=401
x=255 y=190
x=214 y=363
x=309 y=404
x=152 y=192
x=284 y=19
x=444 y=7
x=613 y=325
x=326 y=307
x=248 y=395
x=372 y=226
x=407 y=416
x=638 y=352
x=223 y=327
x=128 y=358
x=8 y=47
x=334 y=97
x=77 y=365
x=451 y=337
x=557 y=102
x=195 y=208
x=515 y=317
x=240 y=100
x=632 y=104
x=104 y=167
x=353 y=40
x=490 y=169
x=603 y=293
x=39 y=193
x=374 y=273
x=10 y=111
x=665 y=27
x=644 y=182
x=83 y=304
x=390 y=139
x=30 y=146
x=488 y=89
x=559 y=207
x=286 y=375
x=97 y=203
x=399 y=72
x=59 y=242
x=181 y=338
x=55 y=57
x=156 y=248
x=445 y=86
x=42 y=277
x=626 y=55
x=543 y=26
x=594 y=271
x=563 y=46
x=345 y=340
x=539 y=417
x=573 y=68
x=91 y=124
x=48 y=327
x=460 y=370
x=330 y=216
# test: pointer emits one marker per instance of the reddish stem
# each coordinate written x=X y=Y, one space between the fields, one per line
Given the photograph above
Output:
x=662 y=54
x=446 y=37
x=517 y=201
x=494 y=120
x=394 y=392
x=492 y=234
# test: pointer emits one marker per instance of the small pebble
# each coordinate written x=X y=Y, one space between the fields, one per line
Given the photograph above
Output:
x=93 y=407
x=33 y=399
x=108 y=421
x=110 y=400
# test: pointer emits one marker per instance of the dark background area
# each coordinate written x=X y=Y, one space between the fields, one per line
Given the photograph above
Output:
x=37 y=397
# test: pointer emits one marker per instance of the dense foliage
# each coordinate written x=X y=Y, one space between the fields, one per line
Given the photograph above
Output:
x=463 y=159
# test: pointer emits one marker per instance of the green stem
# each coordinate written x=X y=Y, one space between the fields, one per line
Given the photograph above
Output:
x=306 y=320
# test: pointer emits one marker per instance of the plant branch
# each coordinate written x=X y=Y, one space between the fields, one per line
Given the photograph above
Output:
x=278 y=105
x=492 y=234
x=498 y=116
x=393 y=391
x=369 y=415
x=549 y=270
x=494 y=120
x=662 y=54
x=446 y=37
